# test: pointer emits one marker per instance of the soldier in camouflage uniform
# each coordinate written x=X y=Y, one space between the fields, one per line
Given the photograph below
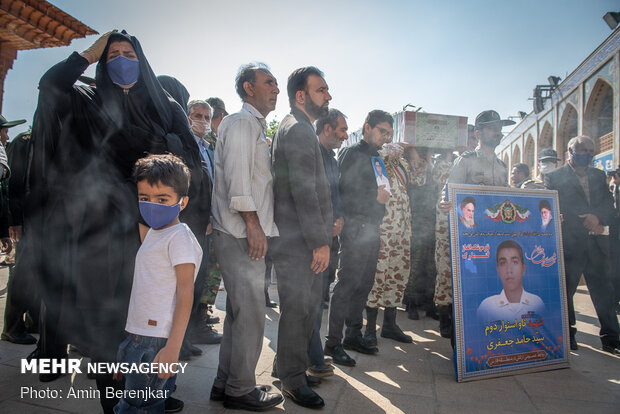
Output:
x=393 y=264
x=479 y=167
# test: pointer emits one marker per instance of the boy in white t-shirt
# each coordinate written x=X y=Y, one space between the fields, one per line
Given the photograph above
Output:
x=163 y=284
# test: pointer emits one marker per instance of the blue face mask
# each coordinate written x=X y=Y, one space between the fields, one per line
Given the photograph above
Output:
x=159 y=215
x=582 y=160
x=123 y=71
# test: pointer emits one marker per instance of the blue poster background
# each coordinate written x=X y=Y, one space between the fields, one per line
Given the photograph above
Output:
x=495 y=340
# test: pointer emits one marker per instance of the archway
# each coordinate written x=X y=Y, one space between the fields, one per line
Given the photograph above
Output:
x=529 y=155
x=567 y=129
x=516 y=157
x=545 y=138
x=598 y=119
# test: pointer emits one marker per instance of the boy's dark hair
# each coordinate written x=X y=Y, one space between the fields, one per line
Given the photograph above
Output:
x=467 y=200
x=298 y=81
x=544 y=204
x=376 y=117
x=509 y=244
x=167 y=169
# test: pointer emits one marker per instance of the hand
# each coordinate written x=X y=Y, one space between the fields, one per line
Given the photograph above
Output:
x=166 y=356
x=445 y=206
x=599 y=230
x=382 y=194
x=256 y=240
x=15 y=232
x=209 y=229
x=94 y=52
x=7 y=245
x=338 y=225
x=590 y=221
x=320 y=259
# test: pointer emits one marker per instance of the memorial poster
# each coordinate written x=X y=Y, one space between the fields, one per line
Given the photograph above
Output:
x=509 y=290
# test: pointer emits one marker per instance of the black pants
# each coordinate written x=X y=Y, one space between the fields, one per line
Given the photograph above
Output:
x=593 y=263
x=21 y=295
x=359 y=250
x=300 y=291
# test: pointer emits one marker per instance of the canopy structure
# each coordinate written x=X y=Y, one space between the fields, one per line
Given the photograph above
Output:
x=33 y=24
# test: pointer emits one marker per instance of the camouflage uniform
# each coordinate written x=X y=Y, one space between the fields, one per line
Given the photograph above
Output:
x=472 y=167
x=393 y=264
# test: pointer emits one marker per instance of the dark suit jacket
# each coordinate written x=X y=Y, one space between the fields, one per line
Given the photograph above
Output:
x=302 y=199
x=573 y=202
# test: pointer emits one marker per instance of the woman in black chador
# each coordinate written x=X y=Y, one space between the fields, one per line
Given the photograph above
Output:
x=83 y=211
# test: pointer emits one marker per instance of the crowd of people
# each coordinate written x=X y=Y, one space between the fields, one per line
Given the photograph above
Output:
x=130 y=204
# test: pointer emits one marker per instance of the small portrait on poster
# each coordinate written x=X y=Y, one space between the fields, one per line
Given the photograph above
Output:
x=466 y=212
x=545 y=214
x=510 y=311
x=380 y=174
x=513 y=302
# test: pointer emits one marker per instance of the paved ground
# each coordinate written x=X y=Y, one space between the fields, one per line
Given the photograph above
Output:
x=402 y=378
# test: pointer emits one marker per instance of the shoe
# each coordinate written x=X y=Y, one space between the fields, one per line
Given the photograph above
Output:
x=304 y=396
x=194 y=350
x=313 y=381
x=395 y=333
x=271 y=304
x=206 y=335
x=573 y=344
x=320 y=371
x=431 y=313
x=613 y=349
x=412 y=312
x=339 y=356
x=445 y=320
x=173 y=405
x=255 y=400
x=209 y=318
x=358 y=344
x=21 y=339
x=218 y=394
x=370 y=338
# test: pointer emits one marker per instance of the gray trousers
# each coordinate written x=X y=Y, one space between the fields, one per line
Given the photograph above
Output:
x=300 y=291
x=359 y=250
x=244 y=324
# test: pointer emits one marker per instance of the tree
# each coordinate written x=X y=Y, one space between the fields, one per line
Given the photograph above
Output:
x=272 y=128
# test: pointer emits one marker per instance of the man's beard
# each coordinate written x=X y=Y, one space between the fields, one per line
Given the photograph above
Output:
x=546 y=222
x=313 y=109
x=468 y=222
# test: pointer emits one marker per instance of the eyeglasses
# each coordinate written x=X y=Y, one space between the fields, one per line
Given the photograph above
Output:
x=385 y=133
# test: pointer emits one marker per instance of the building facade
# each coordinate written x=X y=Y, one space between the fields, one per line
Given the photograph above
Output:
x=585 y=103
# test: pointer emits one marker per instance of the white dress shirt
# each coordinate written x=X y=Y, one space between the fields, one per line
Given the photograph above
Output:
x=243 y=180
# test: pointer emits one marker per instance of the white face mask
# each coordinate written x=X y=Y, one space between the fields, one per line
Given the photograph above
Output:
x=200 y=128
x=546 y=167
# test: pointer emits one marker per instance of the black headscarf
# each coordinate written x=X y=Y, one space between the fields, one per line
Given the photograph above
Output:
x=82 y=209
x=175 y=89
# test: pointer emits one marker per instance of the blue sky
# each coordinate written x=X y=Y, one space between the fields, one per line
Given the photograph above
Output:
x=450 y=57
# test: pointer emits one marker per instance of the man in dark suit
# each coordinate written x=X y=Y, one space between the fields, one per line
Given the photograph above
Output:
x=587 y=209
x=303 y=214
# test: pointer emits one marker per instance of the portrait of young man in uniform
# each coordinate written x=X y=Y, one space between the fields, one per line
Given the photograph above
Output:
x=513 y=302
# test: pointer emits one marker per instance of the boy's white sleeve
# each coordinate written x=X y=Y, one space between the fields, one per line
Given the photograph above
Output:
x=184 y=248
